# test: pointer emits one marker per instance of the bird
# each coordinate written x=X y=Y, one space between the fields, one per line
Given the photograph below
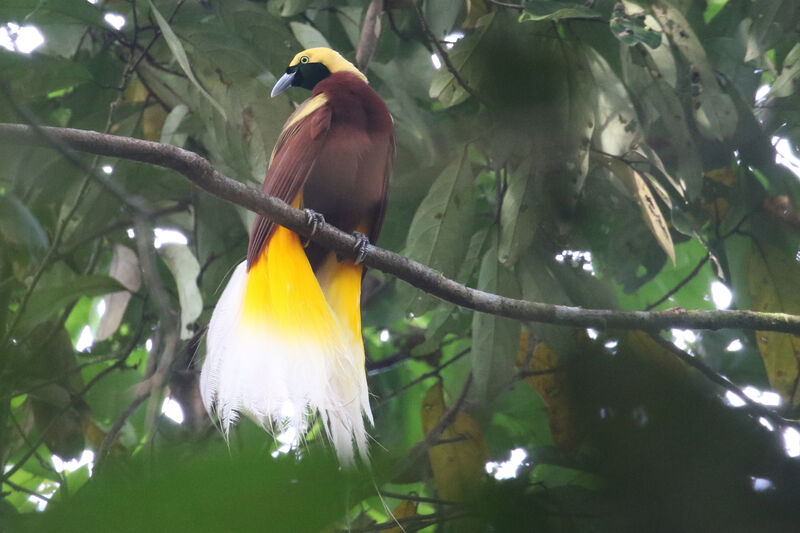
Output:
x=284 y=343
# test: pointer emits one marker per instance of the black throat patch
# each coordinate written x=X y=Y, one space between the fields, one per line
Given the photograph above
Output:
x=308 y=75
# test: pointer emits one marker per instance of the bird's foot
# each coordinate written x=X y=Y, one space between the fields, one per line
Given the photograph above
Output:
x=315 y=220
x=360 y=248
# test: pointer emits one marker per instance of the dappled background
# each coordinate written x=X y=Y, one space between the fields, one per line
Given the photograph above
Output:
x=630 y=156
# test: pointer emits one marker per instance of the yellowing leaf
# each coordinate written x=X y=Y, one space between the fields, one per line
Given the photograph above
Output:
x=651 y=213
x=642 y=344
x=404 y=509
x=476 y=9
x=95 y=436
x=724 y=175
x=773 y=279
x=153 y=119
x=553 y=387
x=458 y=457
x=135 y=92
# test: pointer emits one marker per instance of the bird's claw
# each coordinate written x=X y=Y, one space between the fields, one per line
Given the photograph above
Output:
x=360 y=248
x=315 y=220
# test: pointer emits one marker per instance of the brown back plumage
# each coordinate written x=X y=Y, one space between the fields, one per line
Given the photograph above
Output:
x=339 y=156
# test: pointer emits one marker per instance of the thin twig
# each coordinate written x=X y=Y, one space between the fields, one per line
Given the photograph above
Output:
x=32 y=448
x=111 y=436
x=42 y=462
x=433 y=373
x=442 y=52
x=408 y=523
x=447 y=419
x=419 y=499
x=201 y=173
x=681 y=283
x=177 y=208
x=20 y=488
x=724 y=382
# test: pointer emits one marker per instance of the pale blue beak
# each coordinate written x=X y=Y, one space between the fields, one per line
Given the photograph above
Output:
x=284 y=83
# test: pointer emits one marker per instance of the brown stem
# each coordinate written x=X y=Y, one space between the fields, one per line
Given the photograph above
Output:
x=201 y=173
x=370 y=33
x=442 y=52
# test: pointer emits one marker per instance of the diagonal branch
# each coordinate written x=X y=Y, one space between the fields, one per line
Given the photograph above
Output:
x=370 y=33
x=200 y=172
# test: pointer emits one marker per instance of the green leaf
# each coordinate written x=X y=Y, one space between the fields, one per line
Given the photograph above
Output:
x=301 y=496
x=580 y=122
x=18 y=226
x=773 y=282
x=494 y=339
x=766 y=22
x=42 y=75
x=539 y=284
x=185 y=269
x=787 y=81
x=170 y=132
x=445 y=87
x=518 y=216
x=692 y=295
x=290 y=8
x=447 y=315
x=51 y=11
x=308 y=36
x=714 y=111
x=555 y=11
x=350 y=19
x=46 y=301
x=438 y=236
x=617 y=130
x=651 y=76
x=631 y=29
x=179 y=53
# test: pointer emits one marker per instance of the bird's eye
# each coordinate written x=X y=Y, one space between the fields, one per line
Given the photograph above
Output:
x=304 y=59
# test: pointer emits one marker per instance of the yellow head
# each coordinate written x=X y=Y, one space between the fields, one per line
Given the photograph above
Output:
x=311 y=66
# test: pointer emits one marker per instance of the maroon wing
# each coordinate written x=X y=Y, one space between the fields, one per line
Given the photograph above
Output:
x=292 y=159
x=380 y=212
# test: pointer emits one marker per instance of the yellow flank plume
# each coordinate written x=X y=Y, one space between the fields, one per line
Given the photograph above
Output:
x=283 y=293
x=284 y=343
x=341 y=284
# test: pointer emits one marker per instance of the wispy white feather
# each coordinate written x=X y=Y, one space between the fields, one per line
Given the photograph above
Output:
x=279 y=380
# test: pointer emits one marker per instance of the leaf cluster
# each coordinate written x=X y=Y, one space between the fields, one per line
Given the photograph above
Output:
x=630 y=155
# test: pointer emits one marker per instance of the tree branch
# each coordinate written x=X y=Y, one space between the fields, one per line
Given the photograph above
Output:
x=370 y=33
x=200 y=172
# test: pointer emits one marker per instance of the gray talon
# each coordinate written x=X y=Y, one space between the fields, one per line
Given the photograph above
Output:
x=360 y=248
x=314 y=219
